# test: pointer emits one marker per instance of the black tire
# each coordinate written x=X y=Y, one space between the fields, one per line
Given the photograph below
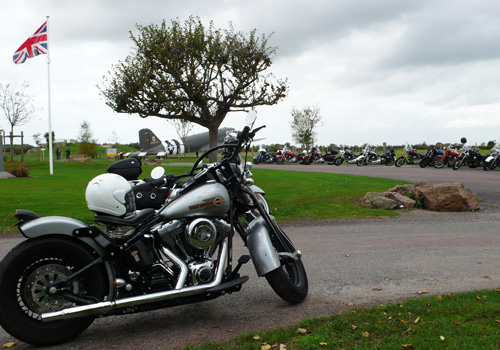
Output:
x=400 y=161
x=438 y=162
x=256 y=160
x=424 y=162
x=489 y=165
x=289 y=281
x=457 y=163
x=27 y=270
x=389 y=161
x=280 y=160
x=339 y=161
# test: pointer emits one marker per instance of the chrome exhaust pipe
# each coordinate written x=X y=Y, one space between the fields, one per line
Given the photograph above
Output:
x=101 y=307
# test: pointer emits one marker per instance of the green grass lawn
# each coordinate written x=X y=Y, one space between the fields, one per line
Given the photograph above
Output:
x=463 y=321
x=292 y=196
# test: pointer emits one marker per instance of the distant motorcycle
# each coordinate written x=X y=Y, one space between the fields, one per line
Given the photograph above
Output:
x=447 y=158
x=264 y=156
x=410 y=156
x=313 y=156
x=431 y=154
x=347 y=155
x=493 y=160
x=469 y=156
x=331 y=156
x=369 y=156
x=288 y=156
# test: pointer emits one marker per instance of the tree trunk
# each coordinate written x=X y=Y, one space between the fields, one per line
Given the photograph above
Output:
x=12 y=144
x=213 y=131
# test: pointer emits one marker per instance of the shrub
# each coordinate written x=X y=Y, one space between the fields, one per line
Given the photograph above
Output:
x=20 y=171
x=419 y=200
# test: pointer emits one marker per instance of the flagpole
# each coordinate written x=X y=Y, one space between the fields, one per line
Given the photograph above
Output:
x=51 y=158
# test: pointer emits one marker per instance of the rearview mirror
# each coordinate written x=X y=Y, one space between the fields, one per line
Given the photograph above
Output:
x=250 y=118
x=157 y=172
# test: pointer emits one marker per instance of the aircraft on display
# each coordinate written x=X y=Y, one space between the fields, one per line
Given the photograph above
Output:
x=151 y=144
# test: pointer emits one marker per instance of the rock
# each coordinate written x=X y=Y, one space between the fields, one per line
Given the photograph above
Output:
x=403 y=189
x=370 y=195
x=381 y=202
x=401 y=199
x=447 y=197
x=6 y=175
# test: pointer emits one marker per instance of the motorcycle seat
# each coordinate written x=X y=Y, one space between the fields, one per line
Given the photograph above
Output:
x=131 y=220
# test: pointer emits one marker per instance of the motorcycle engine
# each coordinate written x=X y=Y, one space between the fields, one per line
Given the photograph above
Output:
x=195 y=241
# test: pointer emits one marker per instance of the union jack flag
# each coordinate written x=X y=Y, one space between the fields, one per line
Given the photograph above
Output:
x=34 y=46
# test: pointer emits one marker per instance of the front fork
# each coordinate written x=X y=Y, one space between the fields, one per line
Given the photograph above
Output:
x=258 y=238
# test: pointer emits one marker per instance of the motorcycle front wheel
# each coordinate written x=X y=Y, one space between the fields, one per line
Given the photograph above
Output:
x=492 y=164
x=339 y=161
x=389 y=161
x=27 y=274
x=457 y=163
x=256 y=160
x=400 y=161
x=289 y=281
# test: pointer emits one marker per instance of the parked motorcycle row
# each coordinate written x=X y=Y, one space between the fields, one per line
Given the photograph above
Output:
x=449 y=156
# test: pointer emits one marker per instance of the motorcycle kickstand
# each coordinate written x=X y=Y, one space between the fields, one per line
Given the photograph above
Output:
x=242 y=260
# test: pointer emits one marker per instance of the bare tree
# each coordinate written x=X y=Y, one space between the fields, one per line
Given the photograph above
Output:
x=86 y=142
x=38 y=139
x=17 y=107
x=182 y=127
x=303 y=123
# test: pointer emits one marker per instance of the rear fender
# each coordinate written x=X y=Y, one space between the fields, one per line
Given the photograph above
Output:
x=264 y=256
x=58 y=225
x=67 y=227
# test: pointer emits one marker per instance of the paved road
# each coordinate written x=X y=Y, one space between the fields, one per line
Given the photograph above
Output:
x=364 y=262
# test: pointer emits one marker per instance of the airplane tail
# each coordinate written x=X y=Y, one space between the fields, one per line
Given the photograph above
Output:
x=149 y=142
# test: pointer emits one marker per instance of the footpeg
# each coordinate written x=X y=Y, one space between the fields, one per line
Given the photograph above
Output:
x=242 y=260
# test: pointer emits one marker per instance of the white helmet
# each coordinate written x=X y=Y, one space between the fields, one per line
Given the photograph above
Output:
x=110 y=194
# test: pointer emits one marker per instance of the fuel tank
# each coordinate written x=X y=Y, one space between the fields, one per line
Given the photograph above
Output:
x=207 y=200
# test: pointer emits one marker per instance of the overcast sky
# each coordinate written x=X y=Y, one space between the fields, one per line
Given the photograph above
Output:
x=381 y=71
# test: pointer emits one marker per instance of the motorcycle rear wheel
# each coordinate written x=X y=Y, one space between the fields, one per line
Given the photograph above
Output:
x=400 y=161
x=28 y=271
x=289 y=281
x=424 y=162
x=438 y=162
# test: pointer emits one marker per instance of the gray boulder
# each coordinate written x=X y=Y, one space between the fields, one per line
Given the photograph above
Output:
x=381 y=202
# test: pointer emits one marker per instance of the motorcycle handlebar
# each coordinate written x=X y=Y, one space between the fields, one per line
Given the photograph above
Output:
x=252 y=134
x=242 y=137
x=244 y=134
x=157 y=182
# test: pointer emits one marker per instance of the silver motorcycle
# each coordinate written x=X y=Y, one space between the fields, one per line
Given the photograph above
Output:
x=66 y=273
